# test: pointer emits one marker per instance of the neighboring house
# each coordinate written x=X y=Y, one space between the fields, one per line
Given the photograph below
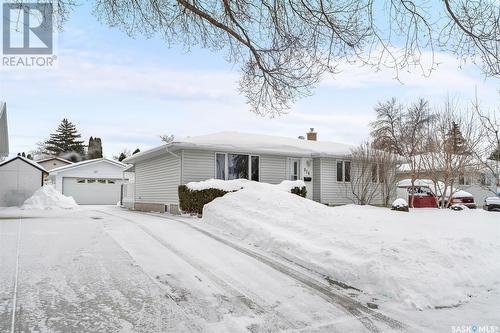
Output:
x=325 y=167
x=53 y=162
x=4 y=133
x=91 y=182
x=480 y=183
x=19 y=179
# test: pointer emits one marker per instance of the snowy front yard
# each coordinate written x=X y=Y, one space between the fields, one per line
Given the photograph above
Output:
x=426 y=260
x=104 y=269
x=260 y=260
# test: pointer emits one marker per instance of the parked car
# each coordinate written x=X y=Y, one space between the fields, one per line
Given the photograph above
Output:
x=463 y=198
x=492 y=203
x=424 y=195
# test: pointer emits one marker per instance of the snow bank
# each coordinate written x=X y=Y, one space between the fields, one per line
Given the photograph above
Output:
x=47 y=197
x=399 y=203
x=238 y=184
x=425 y=259
x=224 y=185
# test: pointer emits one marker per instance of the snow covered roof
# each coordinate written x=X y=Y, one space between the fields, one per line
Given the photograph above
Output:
x=250 y=143
x=32 y=163
x=87 y=162
x=4 y=133
x=54 y=158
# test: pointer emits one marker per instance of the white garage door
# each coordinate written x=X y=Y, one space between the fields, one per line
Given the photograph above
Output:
x=87 y=191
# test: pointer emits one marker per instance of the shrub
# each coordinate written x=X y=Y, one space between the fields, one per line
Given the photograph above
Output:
x=299 y=191
x=192 y=201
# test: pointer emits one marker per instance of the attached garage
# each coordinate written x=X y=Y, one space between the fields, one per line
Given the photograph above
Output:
x=19 y=179
x=92 y=182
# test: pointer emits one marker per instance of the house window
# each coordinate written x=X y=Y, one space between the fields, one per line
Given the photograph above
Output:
x=220 y=167
x=235 y=166
x=90 y=181
x=347 y=171
x=343 y=171
x=101 y=181
x=374 y=173
x=80 y=181
x=340 y=171
x=294 y=169
x=255 y=168
x=381 y=174
x=462 y=180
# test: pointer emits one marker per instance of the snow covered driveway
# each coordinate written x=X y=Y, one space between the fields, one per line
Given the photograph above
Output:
x=101 y=269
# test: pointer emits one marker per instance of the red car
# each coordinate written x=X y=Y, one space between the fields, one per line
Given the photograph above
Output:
x=424 y=196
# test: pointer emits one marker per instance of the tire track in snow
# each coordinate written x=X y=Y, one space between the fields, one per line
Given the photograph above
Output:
x=16 y=278
x=245 y=300
x=355 y=308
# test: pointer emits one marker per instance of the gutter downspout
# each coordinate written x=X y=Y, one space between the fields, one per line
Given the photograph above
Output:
x=168 y=151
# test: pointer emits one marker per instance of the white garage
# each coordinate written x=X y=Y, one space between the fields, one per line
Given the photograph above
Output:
x=19 y=179
x=92 y=182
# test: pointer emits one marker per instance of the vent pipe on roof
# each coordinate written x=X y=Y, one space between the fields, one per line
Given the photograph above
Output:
x=311 y=135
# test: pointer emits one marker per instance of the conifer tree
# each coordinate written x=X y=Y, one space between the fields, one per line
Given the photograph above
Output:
x=495 y=155
x=455 y=142
x=65 y=141
x=122 y=156
x=95 y=148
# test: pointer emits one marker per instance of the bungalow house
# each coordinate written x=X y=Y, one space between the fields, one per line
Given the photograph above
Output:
x=4 y=135
x=476 y=179
x=53 y=162
x=325 y=167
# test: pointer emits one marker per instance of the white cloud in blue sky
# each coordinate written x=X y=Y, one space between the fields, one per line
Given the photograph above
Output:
x=129 y=91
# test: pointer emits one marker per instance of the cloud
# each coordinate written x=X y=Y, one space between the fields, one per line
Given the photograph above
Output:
x=103 y=74
x=447 y=74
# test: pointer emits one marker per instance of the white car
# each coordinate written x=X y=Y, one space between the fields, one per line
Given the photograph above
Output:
x=492 y=203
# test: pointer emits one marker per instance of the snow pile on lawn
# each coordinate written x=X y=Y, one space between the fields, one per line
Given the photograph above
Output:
x=425 y=259
x=398 y=203
x=47 y=197
x=238 y=184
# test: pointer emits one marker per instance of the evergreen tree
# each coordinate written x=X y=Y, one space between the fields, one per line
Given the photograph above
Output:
x=455 y=142
x=495 y=155
x=65 y=141
x=136 y=151
x=122 y=156
x=94 y=149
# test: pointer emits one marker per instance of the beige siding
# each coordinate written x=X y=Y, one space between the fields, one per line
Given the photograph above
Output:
x=340 y=193
x=273 y=169
x=197 y=165
x=157 y=180
x=317 y=179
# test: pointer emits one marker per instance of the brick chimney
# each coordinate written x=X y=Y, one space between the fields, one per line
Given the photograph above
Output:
x=311 y=135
